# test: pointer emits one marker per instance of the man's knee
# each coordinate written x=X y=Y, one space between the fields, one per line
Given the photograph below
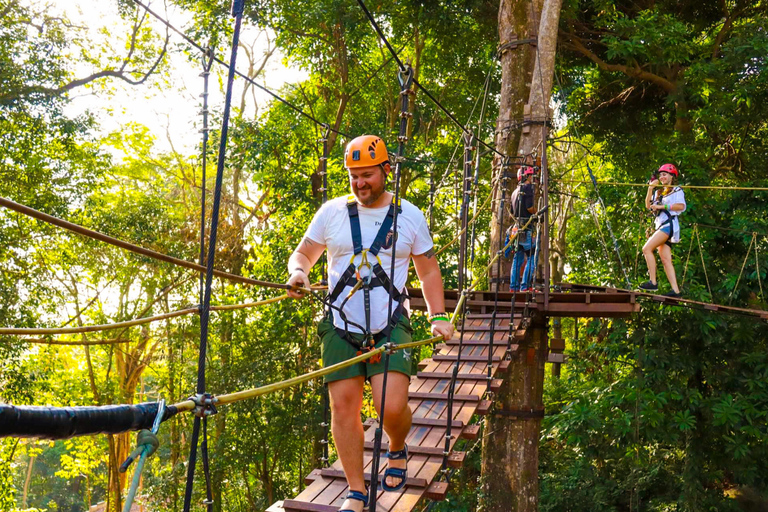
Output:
x=346 y=397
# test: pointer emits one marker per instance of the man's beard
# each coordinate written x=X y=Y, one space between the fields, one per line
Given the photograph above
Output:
x=373 y=196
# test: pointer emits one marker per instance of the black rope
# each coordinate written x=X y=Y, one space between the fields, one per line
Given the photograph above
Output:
x=206 y=467
x=462 y=291
x=405 y=76
x=238 y=73
x=207 y=61
x=429 y=95
x=237 y=12
x=503 y=186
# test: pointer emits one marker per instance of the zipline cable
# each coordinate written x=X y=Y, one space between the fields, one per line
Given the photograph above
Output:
x=447 y=112
x=645 y=185
x=237 y=12
x=238 y=73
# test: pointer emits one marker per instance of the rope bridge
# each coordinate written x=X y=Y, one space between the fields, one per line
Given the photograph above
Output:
x=428 y=399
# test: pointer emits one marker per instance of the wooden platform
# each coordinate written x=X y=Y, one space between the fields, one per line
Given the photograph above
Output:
x=574 y=302
x=327 y=488
x=607 y=291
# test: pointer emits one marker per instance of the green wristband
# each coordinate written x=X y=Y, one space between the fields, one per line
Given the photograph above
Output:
x=438 y=318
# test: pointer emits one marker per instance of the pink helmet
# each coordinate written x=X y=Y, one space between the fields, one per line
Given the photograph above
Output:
x=669 y=168
x=524 y=170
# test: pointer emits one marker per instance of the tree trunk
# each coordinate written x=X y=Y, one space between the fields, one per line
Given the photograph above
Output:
x=511 y=453
x=515 y=23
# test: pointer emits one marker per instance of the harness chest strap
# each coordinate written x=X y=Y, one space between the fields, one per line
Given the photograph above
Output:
x=377 y=277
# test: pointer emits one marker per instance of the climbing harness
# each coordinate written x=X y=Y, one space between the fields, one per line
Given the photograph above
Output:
x=365 y=276
x=668 y=219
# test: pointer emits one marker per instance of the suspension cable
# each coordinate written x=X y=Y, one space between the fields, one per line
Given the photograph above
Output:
x=475 y=183
x=646 y=185
x=227 y=65
x=237 y=12
x=749 y=249
x=80 y=230
x=416 y=82
x=462 y=267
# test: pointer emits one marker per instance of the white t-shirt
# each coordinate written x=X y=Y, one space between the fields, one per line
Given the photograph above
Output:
x=331 y=227
x=674 y=197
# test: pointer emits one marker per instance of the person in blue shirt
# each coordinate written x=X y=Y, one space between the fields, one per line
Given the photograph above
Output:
x=522 y=209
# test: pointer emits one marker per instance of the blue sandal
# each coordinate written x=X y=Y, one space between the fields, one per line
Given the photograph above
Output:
x=402 y=474
x=356 y=495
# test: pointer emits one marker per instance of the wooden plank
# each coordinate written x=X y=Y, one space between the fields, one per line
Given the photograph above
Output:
x=456 y=459
x=471 y=431
x=334 y=473
x=304 y=506
x=484 y=407
x=556 y=358
x=434 y=422
x=444 y=396
x=437 y=491
x=500 y=339
x=466 y=359
x=446 y=375
x=556 y=344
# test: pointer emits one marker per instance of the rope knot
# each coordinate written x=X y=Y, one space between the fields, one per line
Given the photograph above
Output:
x=145 y=440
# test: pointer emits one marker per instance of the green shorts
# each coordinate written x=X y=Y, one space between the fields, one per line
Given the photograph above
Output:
x=337 y=350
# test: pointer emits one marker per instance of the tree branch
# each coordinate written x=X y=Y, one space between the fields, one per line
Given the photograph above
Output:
x=574 y=43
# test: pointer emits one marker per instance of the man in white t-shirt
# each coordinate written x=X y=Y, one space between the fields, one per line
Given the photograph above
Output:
x=358 y=233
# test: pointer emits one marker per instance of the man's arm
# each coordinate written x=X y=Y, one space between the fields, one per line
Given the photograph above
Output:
x=432 y=287
x=301 y=261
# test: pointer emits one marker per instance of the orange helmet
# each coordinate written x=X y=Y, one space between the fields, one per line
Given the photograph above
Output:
x=365 y=151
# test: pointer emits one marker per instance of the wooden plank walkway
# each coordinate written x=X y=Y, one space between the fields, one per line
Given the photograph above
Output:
x=607 y=291
x=327 y=488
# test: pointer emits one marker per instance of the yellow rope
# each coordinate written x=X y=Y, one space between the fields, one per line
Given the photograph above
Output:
x=703 y=265
x=619 y=184
x=130 y=323
x=751 y=242
x=189 y=405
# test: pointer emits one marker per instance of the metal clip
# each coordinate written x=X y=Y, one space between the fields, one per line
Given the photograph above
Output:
x=405 y=77
x=204 y=404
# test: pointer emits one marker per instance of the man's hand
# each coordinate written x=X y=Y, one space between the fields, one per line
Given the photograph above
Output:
x=442 y=328
x=298 y=279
